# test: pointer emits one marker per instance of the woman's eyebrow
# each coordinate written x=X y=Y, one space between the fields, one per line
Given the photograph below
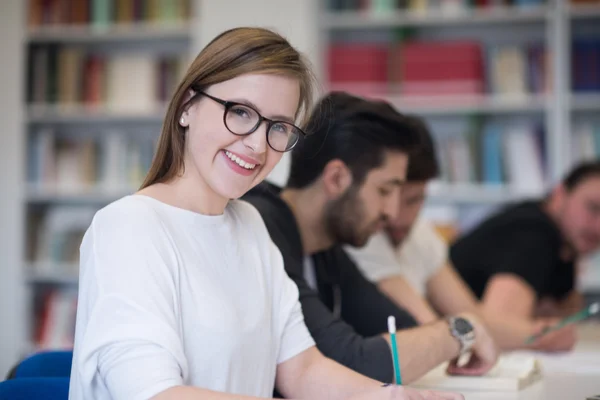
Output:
x=273 y=117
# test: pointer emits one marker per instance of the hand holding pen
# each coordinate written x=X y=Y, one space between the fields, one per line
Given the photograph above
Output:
x=560 y=335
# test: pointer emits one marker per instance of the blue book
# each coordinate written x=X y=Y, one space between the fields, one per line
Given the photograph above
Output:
x=492 y=154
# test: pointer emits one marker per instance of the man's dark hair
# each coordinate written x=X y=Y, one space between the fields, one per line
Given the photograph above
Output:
x=422 y=164
x=580 y=173
x=354 y=130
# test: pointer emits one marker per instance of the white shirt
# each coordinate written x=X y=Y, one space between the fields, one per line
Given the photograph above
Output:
x=171 y=297
x=417 y=259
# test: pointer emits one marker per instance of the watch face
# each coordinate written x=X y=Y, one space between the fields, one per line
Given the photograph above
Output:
x=462 y=326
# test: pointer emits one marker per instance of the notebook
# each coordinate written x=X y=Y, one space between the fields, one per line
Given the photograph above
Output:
x=513 y=372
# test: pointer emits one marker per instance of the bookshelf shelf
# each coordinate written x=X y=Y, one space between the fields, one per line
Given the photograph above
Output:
x=55 y=274
x=453 y=105
x=362 y=20
x=585 y=102
x=474 y=193
x=93 y=196
x=52 y=114
x=582 y=11
x=87 y=34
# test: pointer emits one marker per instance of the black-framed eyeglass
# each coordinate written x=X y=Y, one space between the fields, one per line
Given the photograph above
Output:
x=241 y=120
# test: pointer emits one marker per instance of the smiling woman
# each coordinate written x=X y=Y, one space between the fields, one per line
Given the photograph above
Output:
x=161 y=306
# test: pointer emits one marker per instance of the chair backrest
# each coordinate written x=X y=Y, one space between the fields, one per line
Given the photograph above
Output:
x=45 y=364
x=35 y=389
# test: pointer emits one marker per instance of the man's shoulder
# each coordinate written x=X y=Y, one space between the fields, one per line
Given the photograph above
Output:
x=522 y=218
x=265 y=198
x=279 y=220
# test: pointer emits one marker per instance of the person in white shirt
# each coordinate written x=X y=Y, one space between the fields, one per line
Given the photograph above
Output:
x=182 y=293
x=421 y=255
x=408 y=261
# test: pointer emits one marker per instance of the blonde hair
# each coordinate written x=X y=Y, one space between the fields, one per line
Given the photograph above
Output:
x=233 y=53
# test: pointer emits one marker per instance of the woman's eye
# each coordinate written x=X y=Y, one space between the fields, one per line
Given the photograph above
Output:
x=240 y=112
x=280 y=128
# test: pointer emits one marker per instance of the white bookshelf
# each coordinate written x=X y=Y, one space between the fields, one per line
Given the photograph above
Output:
x=205 y=22
x=79 y=121
x=550 y=22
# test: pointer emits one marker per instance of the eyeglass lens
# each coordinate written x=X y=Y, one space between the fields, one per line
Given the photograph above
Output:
x=242 y=120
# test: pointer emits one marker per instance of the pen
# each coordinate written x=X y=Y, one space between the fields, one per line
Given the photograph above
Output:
x=392 y=331
x=579 y=316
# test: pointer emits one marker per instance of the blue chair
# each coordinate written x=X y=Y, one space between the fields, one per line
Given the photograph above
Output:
x=45 y=364
x=35 y=389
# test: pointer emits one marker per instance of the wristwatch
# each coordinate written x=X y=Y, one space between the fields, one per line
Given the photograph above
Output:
x=463 y=331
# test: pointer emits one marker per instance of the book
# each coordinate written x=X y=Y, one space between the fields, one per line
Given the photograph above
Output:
x=513 y=372
x=101 y=14
x=71 y=76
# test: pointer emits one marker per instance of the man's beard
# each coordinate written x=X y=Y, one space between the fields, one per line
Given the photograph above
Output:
x=343 y=219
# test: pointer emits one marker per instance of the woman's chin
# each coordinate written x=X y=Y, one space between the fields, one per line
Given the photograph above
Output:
x=229 y=190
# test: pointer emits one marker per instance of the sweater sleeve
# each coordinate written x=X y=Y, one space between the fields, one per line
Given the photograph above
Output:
x=339 y=341
x=128 y=341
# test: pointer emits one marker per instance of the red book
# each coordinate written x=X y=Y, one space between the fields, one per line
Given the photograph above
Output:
x=358 y=63
x=431 y=68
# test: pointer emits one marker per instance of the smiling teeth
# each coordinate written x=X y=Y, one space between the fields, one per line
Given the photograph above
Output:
x=239 y=161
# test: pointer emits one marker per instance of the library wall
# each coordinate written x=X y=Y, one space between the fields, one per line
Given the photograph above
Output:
x=12 y=309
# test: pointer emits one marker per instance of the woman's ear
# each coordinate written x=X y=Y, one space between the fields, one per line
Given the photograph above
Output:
x=190 y=93
x=184 y=117
x=336 y=177
x=188 y=96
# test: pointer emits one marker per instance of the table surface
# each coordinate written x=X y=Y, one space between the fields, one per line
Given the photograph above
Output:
x=569 y=376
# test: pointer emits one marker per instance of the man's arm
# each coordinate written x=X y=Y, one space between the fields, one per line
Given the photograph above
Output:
x=420 y=349
x=425 y=347
x=572 y=303
x=449 y=294
x=446 y=291
x=509 y=295
x=339 y=341
x=403 y=294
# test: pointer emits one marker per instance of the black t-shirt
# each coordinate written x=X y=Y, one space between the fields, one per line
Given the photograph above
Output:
x=523 y=240
x=347 y=314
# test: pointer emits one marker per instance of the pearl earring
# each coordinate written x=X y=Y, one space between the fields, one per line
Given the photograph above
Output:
x=182 y=120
